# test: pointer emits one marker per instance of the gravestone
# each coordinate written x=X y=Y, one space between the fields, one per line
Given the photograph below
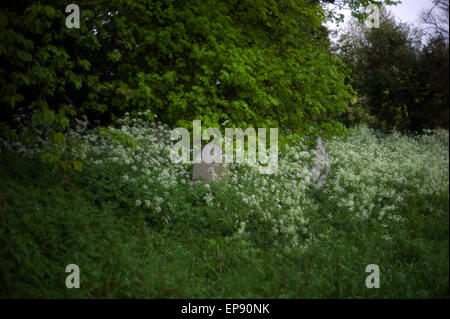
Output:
x=208 y=172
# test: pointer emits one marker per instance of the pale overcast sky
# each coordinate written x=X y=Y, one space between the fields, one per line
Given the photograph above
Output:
x=409 y=10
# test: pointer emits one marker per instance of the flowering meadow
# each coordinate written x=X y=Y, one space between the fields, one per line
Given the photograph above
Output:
x=137 y=225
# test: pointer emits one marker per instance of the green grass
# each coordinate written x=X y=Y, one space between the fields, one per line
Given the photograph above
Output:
x=182 y=246
x=47 y=223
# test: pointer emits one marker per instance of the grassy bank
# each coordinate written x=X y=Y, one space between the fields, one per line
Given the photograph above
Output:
x=137 y=227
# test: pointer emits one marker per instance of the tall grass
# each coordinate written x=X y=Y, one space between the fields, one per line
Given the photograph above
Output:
x=138 y=227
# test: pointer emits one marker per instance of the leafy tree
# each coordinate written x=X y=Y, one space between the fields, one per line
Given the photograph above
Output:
x=356 y=7
x=430 y=108
x=253 y=63
x=391 y=73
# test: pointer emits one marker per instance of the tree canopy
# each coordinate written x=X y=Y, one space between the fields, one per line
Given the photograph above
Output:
x=399 y=80
x=260 y=63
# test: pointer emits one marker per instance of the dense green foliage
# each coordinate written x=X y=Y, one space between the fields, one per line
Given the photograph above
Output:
x=138 y=227
x=401 y=82
x=101 y=99
x=431 y=103
x=258 y=63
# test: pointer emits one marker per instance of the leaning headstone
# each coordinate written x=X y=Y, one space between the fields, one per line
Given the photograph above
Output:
x=208 y=170
x=321 y=167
